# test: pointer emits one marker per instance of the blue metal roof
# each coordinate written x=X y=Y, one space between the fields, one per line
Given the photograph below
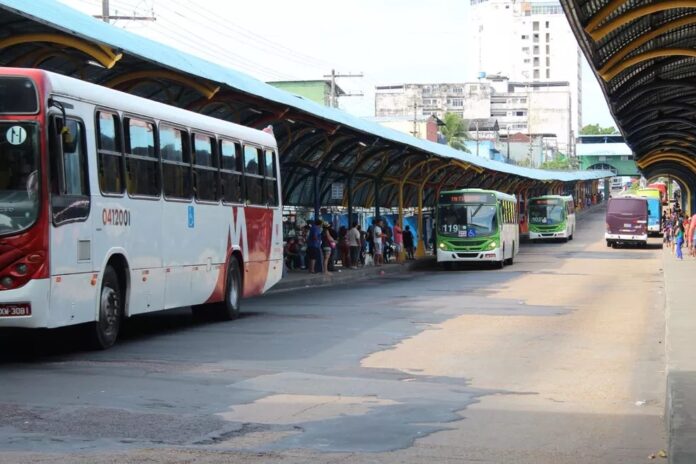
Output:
x=71 y=21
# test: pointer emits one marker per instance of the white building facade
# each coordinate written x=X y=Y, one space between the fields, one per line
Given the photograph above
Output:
x=530 y=108
x=526 y=41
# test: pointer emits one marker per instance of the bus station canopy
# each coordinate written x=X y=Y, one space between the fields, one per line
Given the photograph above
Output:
x=319 y=146
x=644 y=56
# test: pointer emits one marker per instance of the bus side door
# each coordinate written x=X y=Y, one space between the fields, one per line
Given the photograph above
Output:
x=72 y=294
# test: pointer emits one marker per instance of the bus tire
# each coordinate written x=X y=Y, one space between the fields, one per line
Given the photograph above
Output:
x=104 y=332
x=608 y=244
x=229 y=309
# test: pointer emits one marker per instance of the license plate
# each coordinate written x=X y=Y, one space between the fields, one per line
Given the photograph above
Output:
x=628 y=225
x=15 y=309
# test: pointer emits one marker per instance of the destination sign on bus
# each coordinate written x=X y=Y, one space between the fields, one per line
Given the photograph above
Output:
x=546 y=201
x=475 y=198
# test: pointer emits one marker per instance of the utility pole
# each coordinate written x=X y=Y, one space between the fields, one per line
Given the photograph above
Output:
x=415 y=120
x=333 y=97
x=107 y=17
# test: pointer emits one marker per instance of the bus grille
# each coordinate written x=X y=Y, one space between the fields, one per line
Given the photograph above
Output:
x=467 y=255
x=468 y=242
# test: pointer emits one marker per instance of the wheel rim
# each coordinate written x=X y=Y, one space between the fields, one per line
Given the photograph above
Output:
x=110 y=311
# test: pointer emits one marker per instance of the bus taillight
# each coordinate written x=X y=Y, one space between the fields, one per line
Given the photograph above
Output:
x=21 y=271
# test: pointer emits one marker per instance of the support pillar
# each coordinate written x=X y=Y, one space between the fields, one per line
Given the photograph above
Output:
x=377 y=198
x=420 y=247
x=349 y=192
x=317 y=197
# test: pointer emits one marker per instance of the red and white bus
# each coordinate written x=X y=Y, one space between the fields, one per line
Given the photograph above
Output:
x=113 y=205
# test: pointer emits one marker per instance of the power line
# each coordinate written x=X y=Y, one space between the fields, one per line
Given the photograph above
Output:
x=333 y=96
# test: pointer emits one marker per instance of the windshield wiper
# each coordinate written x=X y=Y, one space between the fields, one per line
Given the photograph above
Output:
x=477 y=210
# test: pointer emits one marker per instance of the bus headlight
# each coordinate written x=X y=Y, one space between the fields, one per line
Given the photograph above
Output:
x=442 y=245
x=492 y=245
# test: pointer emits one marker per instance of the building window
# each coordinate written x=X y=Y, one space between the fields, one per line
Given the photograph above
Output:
x=536 y=74
x=548 y=62
x=536 y=61
x=527 y=60
x=535 y=38
x=548 y=49
x=547 y=24
x=548 y=73
x=536 y=49
x=535 y=26
x=548 y=37
x=525 y=37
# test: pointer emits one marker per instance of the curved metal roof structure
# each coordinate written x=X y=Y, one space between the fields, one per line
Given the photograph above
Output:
x=318 y=145
x=644 y=55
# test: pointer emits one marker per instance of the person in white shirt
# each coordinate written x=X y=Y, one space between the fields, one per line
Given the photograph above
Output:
x=354 y=245
x=377 y=238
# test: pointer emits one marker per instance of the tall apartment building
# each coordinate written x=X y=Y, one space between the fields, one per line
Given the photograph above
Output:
x=526 y=41
x=531 y=108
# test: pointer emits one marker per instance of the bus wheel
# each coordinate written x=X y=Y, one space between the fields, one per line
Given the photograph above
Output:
x=105 y=330
x=572 y=232
x=233 y=292
x=608 y=244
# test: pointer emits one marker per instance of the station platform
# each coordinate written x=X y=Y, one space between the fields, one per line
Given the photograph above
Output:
x=300 y=279
x=680 y=345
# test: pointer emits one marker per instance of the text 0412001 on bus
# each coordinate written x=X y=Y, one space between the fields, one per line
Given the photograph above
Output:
x=477 y=225
x=113 y=205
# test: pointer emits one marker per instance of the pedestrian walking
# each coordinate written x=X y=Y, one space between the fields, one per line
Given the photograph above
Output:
x=378 y=244
x=679 y=240
x=314 y=247
x=354 y=245
x=398 y=243
x=408 y=242
x=328 y=244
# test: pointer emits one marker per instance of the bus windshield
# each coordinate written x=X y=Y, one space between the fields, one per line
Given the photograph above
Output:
x=546 y=211
x=19 y=176
x=468 y=220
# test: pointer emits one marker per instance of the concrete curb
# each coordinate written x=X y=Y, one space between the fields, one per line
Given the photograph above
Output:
x=680 y=328
x=349 y=275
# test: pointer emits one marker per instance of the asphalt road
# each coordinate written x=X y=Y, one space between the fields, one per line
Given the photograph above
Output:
x=557 y=359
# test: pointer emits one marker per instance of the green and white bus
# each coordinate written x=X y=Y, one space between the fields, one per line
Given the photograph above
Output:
x=477 y=225
x=551 y=217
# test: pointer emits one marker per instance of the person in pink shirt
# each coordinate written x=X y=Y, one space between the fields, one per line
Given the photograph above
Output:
x=692 y=233
x=398 y=242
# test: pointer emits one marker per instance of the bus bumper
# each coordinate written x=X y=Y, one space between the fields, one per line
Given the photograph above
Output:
x=545 y=235
x=35 y=294
x=626 y=238
x=469 y=256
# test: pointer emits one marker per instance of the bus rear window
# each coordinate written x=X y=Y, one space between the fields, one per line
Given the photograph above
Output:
x=627 y=206
x=18 y=96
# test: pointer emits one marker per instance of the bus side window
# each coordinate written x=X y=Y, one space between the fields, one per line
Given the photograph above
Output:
x=70 y=200
x=271 y=176
x=253 y=175
x=109 y=153
x=142 y=163
x=176 y=163
x=205 y=175
x=231 y=172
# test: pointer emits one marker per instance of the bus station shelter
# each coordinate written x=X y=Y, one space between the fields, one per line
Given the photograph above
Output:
x=643 y=54
x=319 y=147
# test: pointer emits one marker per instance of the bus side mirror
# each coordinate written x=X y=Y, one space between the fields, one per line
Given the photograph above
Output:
x=68 y=140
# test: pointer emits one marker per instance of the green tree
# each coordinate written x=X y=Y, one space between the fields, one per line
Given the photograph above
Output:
x=596 y=129
x=560 y=162
x=455 y=131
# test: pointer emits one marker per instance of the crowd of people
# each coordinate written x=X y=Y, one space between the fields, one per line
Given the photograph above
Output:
x=318 y=247
x=679 y=231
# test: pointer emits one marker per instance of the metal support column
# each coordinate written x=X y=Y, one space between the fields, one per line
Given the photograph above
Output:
x=377 y=198
x=317 y=197
x=349 y=192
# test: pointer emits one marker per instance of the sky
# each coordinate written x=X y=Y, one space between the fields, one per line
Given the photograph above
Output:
x=388 y=41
